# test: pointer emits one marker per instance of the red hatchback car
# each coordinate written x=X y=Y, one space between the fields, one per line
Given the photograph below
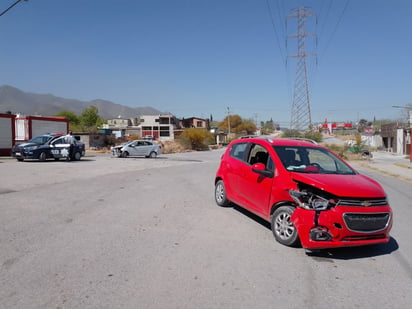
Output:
x=308 y=194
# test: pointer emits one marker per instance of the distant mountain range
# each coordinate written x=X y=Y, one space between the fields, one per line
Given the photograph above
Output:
x=15 y=101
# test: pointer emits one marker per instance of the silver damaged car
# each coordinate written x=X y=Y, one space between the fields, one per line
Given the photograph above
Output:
x=137 y=148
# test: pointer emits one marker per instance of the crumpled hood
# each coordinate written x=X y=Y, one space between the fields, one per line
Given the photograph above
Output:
x=342 y=185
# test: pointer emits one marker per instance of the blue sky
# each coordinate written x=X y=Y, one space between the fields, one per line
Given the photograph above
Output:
x=199 y=57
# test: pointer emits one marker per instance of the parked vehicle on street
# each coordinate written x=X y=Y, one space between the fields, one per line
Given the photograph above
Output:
x=309 y=195
x=49 y=146
x=137 y=148
x=149 y=138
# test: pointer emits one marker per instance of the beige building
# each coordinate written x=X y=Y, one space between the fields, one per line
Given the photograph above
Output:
x=161 y=127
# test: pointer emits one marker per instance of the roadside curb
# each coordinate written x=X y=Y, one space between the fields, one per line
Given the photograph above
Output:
x=403 y=165
x=393 y=172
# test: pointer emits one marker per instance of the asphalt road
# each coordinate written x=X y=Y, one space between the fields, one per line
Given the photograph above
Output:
x=146 y=233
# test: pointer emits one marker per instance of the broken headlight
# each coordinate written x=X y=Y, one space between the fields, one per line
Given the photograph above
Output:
x=308 y=200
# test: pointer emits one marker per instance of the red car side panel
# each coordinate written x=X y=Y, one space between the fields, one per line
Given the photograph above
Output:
x=231 y=173
x=254 y=190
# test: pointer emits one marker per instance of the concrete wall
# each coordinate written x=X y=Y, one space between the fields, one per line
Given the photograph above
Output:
x=93 y=140
x=400 y=142
x=7 y=134
x=372 y=140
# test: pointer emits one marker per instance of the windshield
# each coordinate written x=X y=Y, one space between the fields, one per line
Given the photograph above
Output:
x=40 y=139
x=311 y=160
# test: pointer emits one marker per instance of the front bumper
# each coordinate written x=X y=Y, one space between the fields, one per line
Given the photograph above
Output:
x=23 y=154
x=343 y=226
x=116 y=152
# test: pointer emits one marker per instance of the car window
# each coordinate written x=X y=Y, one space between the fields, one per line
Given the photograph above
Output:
x=238 y=150
x=39 y=139
x=60 y=140
x=318 y=157
x=289 y=156
x=258 y=154
x=311 y=160
x=328 y=163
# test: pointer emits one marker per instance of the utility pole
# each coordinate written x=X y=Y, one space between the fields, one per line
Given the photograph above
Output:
x=301 y=118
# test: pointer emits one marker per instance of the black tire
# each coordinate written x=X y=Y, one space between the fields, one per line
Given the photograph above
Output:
x=153 y=155
x=56 y=159
x=20 y=159
x=282 y=226
x=42 y=156
x=125 y=154
x=220 y=194
x=77 y=156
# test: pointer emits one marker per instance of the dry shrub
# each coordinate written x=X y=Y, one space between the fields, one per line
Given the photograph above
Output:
x=196 y=139
x=172 y=147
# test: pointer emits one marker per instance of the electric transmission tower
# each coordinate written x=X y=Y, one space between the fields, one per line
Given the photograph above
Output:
x=301 y=119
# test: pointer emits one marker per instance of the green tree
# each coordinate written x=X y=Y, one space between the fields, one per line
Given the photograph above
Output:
x=72 y=116
x=90 y=119
x=74 y=121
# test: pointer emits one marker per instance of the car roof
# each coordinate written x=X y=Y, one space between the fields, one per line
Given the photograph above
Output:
x=291 y=141
x=51 y=135
x=47 y=135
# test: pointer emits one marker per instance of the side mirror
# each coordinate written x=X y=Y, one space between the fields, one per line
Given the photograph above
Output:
x=260 y=169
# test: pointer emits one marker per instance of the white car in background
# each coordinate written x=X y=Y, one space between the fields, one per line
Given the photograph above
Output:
x=137 y=148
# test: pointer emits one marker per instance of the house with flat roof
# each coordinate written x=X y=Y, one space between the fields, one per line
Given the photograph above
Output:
x=194 y=122
x=161 y=127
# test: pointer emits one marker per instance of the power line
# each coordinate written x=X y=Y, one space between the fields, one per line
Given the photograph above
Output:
x=10 y=7
x=274 y=27
x=281 y=15
x=325 y=18
x=336 y=26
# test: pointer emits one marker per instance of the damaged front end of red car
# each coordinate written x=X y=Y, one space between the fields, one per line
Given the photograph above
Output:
x=327 y=221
